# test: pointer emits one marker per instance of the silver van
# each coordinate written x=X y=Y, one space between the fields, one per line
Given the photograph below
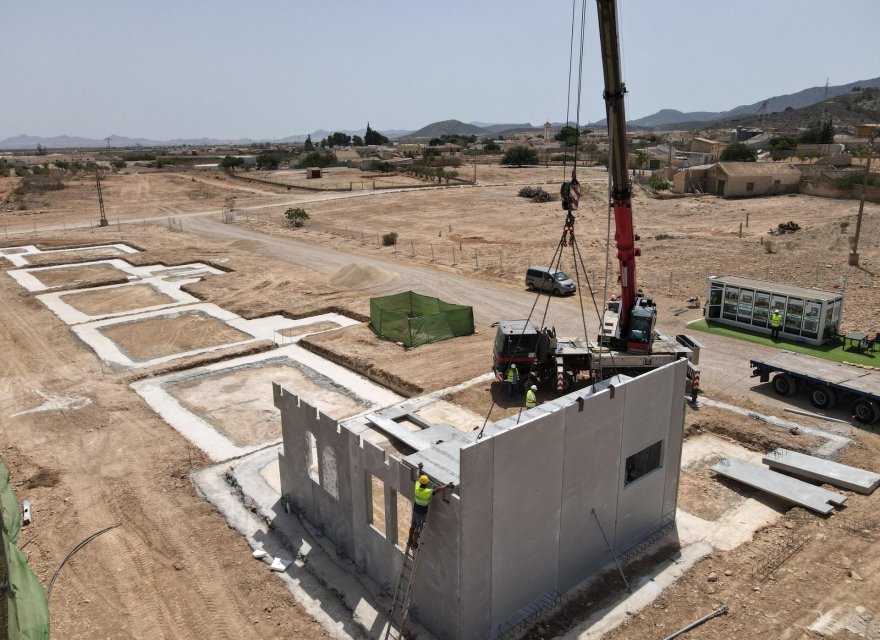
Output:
x=551 y=280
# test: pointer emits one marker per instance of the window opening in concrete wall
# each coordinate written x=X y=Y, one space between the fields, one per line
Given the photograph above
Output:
x=643 y=462
x=376 y=508
x=328 y=467
x=404 y=518
x=312 y=453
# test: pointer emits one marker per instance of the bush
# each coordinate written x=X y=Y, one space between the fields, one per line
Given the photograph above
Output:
x=658 y=184
x=296 y=216
x=389 y=239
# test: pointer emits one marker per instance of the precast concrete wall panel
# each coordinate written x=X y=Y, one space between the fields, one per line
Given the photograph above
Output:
x=436 y=595
x=646 y=421
x=672 y=464
x=527 y=492
x=477 y=483
x=590 y=471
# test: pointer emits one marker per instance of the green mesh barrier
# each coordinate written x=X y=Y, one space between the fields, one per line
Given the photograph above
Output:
x=26 y=605
x=414 y=319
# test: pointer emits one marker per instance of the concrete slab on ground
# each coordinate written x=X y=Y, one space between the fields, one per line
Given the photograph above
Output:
x=789 y=489
x=827 y=471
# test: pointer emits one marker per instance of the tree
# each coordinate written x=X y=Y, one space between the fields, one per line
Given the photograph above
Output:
x=738 y=152
x=819 y=133
x=267 y=161
x=641 y=161
x=296 y=216
x=338 y=139
x=308 y=146
x=567 y=135
x=229 y=163
x=520 y=155
x=372 y=137
x=318 y=159
x=357 y=141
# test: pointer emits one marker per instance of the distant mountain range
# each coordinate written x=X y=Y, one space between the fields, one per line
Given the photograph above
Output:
x=799 y=100
x=665 y=118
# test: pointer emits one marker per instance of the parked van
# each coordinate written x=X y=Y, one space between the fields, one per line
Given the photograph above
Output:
x=550 y=280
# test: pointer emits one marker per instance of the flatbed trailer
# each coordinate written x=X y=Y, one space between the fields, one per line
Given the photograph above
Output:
x=827 y=383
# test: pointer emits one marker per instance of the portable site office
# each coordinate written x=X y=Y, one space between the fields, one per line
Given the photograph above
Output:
x=809 y=315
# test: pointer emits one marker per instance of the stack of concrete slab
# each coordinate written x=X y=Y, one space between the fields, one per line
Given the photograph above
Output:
x=825 y=471
x=776 y=484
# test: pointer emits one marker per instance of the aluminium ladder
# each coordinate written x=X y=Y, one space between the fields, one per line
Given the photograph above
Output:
x=397 y=617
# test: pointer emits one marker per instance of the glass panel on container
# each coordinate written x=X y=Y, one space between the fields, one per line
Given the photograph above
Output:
x=812 y=308
x=794 y=315
x=731 y=295
x=761 y=314
x=746 y=299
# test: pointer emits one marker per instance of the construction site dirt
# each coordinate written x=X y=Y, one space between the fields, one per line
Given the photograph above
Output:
x=173 y=568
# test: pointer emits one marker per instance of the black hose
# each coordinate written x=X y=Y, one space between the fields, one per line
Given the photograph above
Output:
x=72 y=552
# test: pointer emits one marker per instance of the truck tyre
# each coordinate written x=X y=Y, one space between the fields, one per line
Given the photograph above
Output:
x=823 y=397
x=865 y=411
x=784 y=384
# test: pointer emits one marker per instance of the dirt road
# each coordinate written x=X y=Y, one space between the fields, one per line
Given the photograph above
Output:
x=492 y=301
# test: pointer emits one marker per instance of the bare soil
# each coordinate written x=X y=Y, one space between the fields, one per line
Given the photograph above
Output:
x=176 y=332
x=117 y=299
x=80 y=255
x=116 y=461
x=239 y=403
x=409 y=371
x=85 y=276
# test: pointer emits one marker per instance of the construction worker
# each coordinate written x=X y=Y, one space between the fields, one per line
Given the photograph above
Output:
x=512 y=380
x=423 y=494
x=775 y=324
x=531 y=397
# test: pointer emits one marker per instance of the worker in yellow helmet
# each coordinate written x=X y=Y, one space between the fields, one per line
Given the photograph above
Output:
x=423 y=493
x=531 y=397
x=775 y=324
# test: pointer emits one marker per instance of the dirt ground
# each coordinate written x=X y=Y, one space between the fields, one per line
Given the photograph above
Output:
x=85 y=276
x=175 y=332
x=229 y=400
x=173 y=569
x=117 y=299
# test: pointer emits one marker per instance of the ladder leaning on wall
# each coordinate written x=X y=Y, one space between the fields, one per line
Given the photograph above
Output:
x=397 y=618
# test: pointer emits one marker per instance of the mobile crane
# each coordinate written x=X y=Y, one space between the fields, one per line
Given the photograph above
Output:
x=627 y=341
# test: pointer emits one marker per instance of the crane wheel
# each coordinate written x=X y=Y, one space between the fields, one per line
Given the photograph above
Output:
x=823 y=397
x=784 y=384
x=866 y=411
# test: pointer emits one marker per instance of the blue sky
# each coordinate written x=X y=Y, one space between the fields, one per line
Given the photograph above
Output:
x=230 y=69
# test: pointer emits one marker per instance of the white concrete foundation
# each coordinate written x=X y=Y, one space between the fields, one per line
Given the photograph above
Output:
x=207 y=436
x=20 y=256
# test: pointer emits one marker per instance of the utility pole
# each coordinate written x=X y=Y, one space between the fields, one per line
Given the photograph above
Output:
x=869 y=131
x=103 y=221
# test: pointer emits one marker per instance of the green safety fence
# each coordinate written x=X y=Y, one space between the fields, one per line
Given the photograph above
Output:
x=26 y=605
x=414 y=319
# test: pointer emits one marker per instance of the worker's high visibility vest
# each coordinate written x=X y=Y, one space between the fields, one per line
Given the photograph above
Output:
x=531 y=399
x=776 y=320
x=423 y=494
x=512 y=375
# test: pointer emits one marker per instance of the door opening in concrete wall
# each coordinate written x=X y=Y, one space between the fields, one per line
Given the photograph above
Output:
x=312 y=453
x=376 y=506
x=643 y=462
x=404 y=518
x=328 y=468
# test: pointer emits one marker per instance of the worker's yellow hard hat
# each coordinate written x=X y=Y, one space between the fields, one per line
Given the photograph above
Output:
x=423 y=479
